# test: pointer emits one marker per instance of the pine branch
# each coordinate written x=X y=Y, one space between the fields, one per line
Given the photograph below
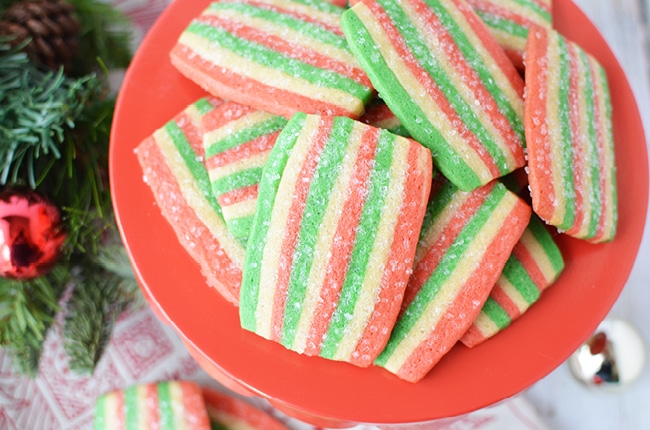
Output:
x=27 y=309
x=36 y=110
x=99 y=297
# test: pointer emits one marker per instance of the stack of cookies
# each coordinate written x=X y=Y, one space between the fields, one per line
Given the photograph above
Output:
x=346 y=181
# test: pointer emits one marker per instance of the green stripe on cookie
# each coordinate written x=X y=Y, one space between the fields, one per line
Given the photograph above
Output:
x=240 y=227
x=193 y=163
x=165 y=406
x=505 y=25
x=564 y=112
x=203 y=106
x=260 y=54
x=269 y=126
x=544 y=238
x=594 y=162
x=240 y=179
x=363 y=244
x=496 y=313
x=317 y=200
x=518 y=276
x=100 y=413
x=131 y=408
x=268 y=189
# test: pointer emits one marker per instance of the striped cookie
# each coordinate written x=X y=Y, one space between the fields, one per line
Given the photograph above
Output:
x=465 y=241
x=171 y=163
x=446 y=78
x=510 y=20
x=237 y=140
x=167 y=405
x=227 y=412
x=571 y=164
x=340 y=208
x=535 y=263
x=280 y=56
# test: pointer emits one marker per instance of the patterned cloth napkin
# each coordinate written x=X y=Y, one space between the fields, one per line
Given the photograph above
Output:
x=142 y=349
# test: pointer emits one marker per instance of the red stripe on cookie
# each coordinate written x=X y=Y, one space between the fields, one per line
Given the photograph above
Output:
x=238 y=195
x=294 y=221
x=256 y=146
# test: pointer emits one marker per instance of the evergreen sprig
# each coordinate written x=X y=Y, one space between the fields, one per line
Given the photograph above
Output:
x=99 y=298
x=54 y=137
x=36 y=109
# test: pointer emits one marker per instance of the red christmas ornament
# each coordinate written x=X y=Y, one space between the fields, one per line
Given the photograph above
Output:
x=31 y=234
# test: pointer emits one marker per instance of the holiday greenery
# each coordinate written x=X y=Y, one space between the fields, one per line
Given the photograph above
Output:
x=54 y=136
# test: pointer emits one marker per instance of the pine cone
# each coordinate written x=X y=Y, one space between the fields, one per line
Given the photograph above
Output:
x=52 y=26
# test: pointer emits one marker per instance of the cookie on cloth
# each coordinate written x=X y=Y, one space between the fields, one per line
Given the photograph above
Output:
x=171 y=162
x=510 y=20
x=465 y=241
x=443 y=74
x=280 y=56
x=535 y=263
x=228 y=412
x=339 y=211
x=571 y=164
x=165 y=405
x=237 y=140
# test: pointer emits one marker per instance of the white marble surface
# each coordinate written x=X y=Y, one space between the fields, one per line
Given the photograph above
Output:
x=563 y=402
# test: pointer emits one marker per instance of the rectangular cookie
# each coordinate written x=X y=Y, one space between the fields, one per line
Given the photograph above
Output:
x=465 y=241
x=165 y=405
x=279 y=56
x=446 y=78
x=339 y=211
x=572 y=171
x=535 y=263
x=172 y=166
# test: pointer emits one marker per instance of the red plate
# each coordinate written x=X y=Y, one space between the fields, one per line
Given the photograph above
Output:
x=313 y=388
